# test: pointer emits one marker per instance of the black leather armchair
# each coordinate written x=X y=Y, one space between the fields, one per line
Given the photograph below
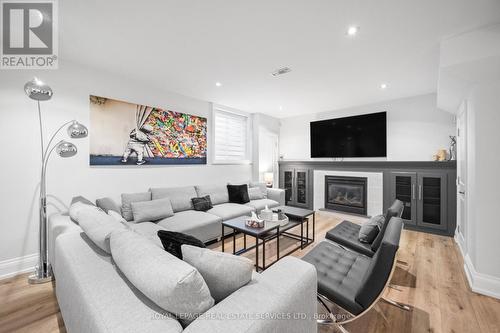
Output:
x=352 y=280
x=346 y=233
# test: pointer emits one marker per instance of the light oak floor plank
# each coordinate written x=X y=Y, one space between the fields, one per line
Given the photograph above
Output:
x=433 y=284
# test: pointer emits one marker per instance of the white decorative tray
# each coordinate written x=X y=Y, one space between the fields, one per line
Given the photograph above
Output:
x=282 y=222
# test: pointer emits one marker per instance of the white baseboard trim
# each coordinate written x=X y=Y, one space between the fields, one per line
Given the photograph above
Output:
x=481 y=283
x=461 y=243
x=13 y=267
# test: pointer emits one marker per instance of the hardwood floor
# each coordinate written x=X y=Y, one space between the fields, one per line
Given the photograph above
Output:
x=433 y=284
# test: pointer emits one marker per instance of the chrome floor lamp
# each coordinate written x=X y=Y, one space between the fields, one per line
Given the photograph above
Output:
x=39 y=91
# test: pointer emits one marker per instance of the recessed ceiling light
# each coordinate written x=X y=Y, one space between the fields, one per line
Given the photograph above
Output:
x=281 y=108
x=218 y=84
x=281 y=71
x=352 y=30
x=383 y=86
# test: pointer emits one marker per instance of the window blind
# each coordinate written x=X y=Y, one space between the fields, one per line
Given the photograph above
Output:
x=230 y=136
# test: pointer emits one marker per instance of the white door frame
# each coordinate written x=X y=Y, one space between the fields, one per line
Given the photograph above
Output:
x=462 y=226
x=274 y=138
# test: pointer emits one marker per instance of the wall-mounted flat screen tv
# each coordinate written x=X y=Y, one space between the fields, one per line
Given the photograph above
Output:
x=358 y=136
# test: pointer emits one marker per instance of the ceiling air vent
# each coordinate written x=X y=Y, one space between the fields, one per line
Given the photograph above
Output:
x=281 y=71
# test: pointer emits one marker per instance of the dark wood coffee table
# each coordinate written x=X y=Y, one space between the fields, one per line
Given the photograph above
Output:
x=301 y=215
x=298 y=217
x=261 y=234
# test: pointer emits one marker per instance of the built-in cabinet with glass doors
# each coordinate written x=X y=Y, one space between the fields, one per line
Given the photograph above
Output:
x=296 y=184
x=424 y=195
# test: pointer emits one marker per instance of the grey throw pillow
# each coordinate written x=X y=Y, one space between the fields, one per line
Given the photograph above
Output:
x=180 y=197
x=128 y=198
x=218 y=193
x=107 y=204
x=76 y=208
x=118 y=217
x=370 y=229
x=262 y=186
x=171 y=283
x=98 y=226
x=224 y=273
x=82 y=200
x=255 y=193
x=154 y=210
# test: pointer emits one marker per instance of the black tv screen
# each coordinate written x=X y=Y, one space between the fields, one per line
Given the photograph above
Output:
x=358 y=136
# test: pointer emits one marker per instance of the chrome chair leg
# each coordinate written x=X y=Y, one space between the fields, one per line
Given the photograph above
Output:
x=395 y=287
x=342 y=329
x=402 y=263
x=332 y=320
x=381 y=312
x=397 y=304
x=331 y=316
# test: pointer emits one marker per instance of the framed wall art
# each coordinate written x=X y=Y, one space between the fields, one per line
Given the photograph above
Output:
x=131 y=134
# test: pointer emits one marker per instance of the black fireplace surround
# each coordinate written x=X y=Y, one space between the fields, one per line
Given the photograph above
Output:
x=346 y=194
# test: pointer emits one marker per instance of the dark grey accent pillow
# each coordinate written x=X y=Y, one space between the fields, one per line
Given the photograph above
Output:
x=370 y=229
x=202 y=204
x=172 y=242
x=395 y=210
x=238 y=193
x=107 y=204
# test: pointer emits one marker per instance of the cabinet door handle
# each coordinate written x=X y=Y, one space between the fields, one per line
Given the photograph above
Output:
x=413 y=191
x=419 y=192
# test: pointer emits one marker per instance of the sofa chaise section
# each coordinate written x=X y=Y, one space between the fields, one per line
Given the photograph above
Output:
x=204 y=226
x=228 y=210
x=260 y=204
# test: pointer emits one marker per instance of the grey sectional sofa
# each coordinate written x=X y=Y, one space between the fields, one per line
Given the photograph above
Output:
x=206 y=226
x=94 y=296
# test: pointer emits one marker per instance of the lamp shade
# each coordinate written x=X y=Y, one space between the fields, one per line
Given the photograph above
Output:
x=38 y=90
x=268 y=178
x=66 y=149
x=77 y=130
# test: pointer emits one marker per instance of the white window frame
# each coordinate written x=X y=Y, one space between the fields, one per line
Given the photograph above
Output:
x=248 y=140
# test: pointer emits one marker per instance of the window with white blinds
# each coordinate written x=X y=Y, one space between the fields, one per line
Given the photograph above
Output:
x=230 y=137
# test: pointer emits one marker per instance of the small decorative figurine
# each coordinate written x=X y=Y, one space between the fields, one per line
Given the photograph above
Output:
x=453 y=148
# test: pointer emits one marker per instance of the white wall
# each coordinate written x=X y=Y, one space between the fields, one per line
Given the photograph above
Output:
x=483 y=221
x=465 y=60
x=20 y=155
x=416 y=129
x=470 y=73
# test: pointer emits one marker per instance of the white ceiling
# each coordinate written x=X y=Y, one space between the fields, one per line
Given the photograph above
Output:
x=186 y=46
x=465 y=61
